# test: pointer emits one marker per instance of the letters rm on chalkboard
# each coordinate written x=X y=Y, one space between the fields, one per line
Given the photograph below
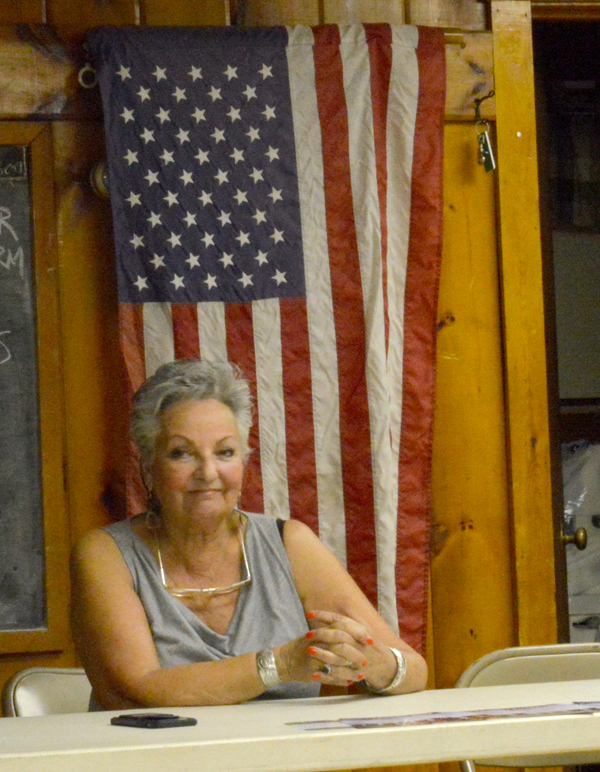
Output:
x=22 y=595
x=34 y=541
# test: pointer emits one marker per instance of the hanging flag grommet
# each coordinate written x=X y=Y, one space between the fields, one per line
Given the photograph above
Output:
x=99 y=179
x=87 y=77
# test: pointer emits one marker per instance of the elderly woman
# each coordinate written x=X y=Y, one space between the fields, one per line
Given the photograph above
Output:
x=195 y=602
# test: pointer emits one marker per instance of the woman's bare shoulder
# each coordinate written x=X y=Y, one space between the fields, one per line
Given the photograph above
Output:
x=94 y=553
x=93 y=542
x=297 y=531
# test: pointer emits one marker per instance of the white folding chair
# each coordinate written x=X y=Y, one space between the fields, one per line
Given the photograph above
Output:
x=528 y=665
x=44 y=691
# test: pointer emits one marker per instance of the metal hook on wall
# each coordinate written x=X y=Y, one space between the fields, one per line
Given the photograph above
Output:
x=478 y=101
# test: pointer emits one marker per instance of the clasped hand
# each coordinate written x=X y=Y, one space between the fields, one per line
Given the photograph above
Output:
x=336 y=650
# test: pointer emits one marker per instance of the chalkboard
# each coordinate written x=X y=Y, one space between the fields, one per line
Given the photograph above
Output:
x=22 y=581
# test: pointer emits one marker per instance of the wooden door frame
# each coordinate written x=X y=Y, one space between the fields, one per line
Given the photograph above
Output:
x=538 y=554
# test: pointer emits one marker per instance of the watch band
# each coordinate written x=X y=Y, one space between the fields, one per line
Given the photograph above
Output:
x=267 y=668
x=397 y=679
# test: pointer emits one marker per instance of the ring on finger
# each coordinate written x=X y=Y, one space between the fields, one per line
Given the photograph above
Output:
x=325 y=669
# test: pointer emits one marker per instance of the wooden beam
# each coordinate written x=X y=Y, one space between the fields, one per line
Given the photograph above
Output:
x=567 y=10
x=272 y=12
x=468 y=14
x=471 y=589
x=363 y=11
x=38 y=76
x=469 y=75
x=22 y=11
x=524 y=329
x=73 y=19
x=95 y=412
x=190 y=13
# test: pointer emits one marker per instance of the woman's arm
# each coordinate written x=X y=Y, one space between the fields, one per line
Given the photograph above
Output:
x=343 y=612
x=114 y=641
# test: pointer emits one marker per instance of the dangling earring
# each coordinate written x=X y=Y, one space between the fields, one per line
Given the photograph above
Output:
x=153 y=504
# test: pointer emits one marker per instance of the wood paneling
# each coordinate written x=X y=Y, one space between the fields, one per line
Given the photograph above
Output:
x=463 y=14
x=189 y=13
x=95 y=420
x=524 y=328
x=262 y=13
x=37 y=75
x=567 y=10
x=73 y=19
x=469 y=74
x=22 y=12
x=472 y=611
x=363 y=11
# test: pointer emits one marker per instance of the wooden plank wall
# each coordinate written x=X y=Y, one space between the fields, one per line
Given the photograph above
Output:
x=94 y=425
x=72 y=20
x=524 y=330
x=473 y=597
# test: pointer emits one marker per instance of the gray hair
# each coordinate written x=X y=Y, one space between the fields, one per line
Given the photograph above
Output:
x=189 y=379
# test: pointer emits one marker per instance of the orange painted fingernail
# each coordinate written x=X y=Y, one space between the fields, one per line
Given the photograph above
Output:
x=310 y=634
x=311 y=615
x=360 y=677
x=312 y=651
x=365 y=663
x=316 y=676
x=370 y=641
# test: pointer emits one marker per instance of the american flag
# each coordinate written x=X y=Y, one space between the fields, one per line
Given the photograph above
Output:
x=276 y=198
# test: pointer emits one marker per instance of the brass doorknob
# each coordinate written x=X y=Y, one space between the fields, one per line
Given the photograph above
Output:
x=579 y=538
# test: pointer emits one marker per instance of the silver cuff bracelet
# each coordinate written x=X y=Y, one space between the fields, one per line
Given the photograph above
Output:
x=397 y=679
x=267 y=669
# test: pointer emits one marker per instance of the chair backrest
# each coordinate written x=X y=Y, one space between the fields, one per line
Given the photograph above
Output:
x=527 y=665
x=44 y=691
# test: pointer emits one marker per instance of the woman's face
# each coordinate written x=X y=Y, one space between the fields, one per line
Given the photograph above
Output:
x=198 y=464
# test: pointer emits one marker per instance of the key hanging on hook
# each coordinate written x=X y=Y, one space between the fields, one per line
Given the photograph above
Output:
x=485 y=153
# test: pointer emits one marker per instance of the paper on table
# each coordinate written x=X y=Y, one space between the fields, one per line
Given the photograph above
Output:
x=440 y=718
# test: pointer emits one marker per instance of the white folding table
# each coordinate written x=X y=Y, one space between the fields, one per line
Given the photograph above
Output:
x=272 y=736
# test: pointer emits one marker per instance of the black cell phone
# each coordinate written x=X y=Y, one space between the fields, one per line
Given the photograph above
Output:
x=152 y=720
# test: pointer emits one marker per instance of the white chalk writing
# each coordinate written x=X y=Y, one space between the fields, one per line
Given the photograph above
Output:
x=14 y=170
x=4 y=224
x=8 y=258
x=5 y=355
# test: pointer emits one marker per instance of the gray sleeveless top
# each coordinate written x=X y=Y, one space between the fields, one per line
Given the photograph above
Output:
x=268 y=612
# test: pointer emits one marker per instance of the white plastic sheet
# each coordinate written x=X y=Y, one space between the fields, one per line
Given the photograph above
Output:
x=581 y=490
